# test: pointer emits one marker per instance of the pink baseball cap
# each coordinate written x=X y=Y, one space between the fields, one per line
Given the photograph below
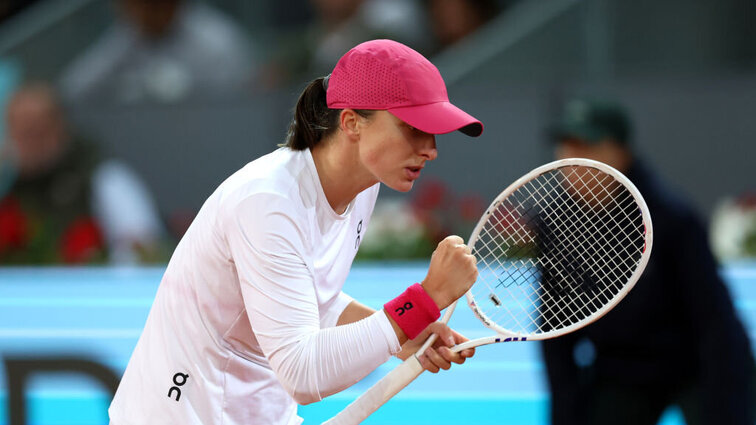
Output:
x=386 y=75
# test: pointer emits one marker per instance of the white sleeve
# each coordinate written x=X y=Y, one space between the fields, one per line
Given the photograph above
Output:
x=330 y=316
x=267 y=245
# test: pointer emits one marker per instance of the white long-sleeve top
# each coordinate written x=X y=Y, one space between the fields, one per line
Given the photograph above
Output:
x=243 y=323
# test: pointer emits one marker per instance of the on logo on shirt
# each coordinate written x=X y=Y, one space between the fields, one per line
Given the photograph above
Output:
x=184 y=377
x=359 y=229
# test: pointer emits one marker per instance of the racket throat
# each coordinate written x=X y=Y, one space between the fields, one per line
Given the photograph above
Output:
x=486 y=341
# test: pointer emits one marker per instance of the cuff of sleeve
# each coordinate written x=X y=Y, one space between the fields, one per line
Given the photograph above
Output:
x=388 y=332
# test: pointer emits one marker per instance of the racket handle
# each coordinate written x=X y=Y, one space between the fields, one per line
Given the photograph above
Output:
x=378 y=394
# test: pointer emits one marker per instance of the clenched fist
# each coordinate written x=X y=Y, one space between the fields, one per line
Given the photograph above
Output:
x=451 y=273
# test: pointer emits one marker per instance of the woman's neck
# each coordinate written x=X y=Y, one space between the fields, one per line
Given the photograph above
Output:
x=340 y=171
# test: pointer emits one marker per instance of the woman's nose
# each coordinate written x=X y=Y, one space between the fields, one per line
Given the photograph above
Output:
x=428 y=148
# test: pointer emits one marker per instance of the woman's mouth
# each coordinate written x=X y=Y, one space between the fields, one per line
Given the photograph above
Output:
x=413 y=173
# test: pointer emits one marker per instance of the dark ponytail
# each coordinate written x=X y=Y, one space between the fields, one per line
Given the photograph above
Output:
x=313 y=119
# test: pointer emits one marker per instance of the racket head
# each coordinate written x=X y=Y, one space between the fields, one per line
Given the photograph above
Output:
x=558 y=249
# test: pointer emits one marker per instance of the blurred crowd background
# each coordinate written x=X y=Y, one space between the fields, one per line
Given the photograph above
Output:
x=121 y=116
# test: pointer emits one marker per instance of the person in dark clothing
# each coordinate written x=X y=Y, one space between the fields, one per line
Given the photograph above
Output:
x=675 y=339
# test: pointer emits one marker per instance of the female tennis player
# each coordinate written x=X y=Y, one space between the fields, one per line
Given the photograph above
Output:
x=249 y=318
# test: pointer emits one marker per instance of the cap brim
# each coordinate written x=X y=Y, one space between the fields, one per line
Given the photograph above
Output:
x=439 y=118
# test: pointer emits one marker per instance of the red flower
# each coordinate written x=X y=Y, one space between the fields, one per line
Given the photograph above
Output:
x=82 y=241
x=747 y=201
x=13 y=225
x=432 y=194
x=471 y=207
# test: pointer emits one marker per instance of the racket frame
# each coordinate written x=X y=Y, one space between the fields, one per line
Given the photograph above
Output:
x=505 y=334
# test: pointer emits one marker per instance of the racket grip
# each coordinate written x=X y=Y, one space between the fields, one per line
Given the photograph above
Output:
x=381 y=392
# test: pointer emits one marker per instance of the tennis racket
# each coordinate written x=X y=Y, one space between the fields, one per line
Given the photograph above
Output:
x=555 y=251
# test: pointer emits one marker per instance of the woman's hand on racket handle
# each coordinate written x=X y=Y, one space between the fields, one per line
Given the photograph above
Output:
x=438 y=356
x=451 y=273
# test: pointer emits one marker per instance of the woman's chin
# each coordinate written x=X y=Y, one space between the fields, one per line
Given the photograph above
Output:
x=404 y=186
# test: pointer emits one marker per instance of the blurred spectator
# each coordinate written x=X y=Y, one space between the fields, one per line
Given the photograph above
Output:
x=164 y=51
x=675 y=339
x=59 y=202
x=733 y=228
x=453 y=20
x=337 y=26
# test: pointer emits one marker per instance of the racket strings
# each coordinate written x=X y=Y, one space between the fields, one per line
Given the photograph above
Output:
x=557 y=250
x=510 y=221
x=597 y=247
x=587 y=304
x=515 y=270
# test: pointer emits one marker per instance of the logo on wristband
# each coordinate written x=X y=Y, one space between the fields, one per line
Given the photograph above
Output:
x=405 y=307
x=424 y=310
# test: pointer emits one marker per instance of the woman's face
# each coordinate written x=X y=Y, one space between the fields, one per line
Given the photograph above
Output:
x=393 y=151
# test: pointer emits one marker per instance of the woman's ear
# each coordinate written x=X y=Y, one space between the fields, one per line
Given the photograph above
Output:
x=349 y=123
